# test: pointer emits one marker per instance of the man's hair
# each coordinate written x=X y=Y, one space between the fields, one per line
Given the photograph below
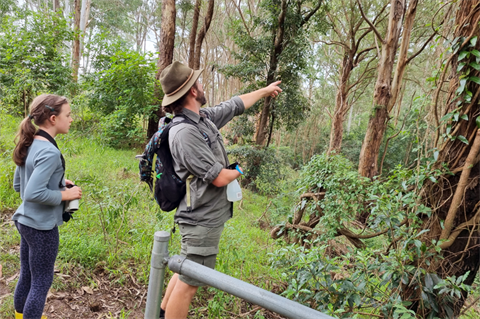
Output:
x=177 y=106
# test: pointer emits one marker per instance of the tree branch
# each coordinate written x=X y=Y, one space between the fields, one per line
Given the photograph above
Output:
x=370 y=23
x=311 y=13
x=420 y=51
x=462 y=184
x=241 y=15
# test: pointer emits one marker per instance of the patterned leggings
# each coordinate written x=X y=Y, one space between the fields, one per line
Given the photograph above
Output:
x=38 y=251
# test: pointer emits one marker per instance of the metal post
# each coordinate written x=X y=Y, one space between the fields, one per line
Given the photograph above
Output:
x=157 y=274
x=236 y=287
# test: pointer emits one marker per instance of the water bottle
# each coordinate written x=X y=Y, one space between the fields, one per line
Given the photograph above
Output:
x=234 y=192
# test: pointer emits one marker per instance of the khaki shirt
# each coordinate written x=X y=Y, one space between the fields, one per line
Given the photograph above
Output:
x=193 y=156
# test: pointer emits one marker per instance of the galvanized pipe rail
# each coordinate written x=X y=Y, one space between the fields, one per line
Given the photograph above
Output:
x=213 y=278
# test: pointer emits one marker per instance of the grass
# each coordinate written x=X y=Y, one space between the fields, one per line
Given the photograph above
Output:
x=117 y=219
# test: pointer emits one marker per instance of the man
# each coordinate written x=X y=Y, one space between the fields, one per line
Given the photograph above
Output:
x=199 y=155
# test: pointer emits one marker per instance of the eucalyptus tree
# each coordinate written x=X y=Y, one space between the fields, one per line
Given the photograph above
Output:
x=165 y=57
x=196 y=40
x=389 y=78
x=349 y=34
x=273 y=45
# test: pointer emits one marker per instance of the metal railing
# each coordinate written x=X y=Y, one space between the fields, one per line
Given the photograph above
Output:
x=180 y=265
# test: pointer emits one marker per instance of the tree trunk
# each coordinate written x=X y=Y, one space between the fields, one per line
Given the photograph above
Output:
x=402 y=58
x=165 y=58
x=202 y=34
x=377 y=124
x=193 y=33
x=262 y=128
x=341 y=105
x=76 y=40
x=84 y=15
x=56 y=5
x=455 y=199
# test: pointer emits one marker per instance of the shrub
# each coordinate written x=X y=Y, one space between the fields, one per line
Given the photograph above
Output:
x=123 y=93
x=33 y=58
x=265 y=168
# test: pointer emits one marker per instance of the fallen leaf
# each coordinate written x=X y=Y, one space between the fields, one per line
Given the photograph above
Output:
x=12 y=278
x=52 y=309
x=61 y=295
x=88 y=290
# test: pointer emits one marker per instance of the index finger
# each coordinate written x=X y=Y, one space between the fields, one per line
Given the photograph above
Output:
x=276 y=83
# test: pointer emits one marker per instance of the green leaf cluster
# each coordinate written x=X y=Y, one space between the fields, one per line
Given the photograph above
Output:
x=34 y=57
x=121 y=91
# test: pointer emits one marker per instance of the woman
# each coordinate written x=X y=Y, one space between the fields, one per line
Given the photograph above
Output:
x=39 y=178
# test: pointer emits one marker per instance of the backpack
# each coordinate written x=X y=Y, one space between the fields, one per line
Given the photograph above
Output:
x=169 y=188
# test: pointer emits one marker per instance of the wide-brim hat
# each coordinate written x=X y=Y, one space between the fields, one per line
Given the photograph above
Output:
x=176 y=80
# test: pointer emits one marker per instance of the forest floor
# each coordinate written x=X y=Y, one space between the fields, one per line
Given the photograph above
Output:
x=72 y=295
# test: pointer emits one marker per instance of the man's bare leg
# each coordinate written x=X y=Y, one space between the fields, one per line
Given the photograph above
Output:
x=179 y=300
x=171 y=285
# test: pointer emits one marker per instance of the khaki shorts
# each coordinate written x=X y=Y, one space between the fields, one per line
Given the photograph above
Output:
x=199 y=244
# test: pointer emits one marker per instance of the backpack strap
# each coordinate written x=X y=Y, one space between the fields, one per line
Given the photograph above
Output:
x=189 y=204
x=164 y=139
x=187 y=120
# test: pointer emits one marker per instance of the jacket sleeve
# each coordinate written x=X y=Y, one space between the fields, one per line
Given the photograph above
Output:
x=223 y=113
x=191 y=151
x=36 y=190
x=16 y=180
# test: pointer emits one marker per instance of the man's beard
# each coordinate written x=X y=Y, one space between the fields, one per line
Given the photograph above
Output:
x=201 y=98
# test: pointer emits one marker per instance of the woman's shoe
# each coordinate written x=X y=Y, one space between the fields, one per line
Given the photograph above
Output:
x=20 y=315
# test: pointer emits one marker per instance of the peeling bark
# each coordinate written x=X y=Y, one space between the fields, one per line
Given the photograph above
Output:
x=193 y=33
x=76 y=40
x=202 y=34
x=377 y=124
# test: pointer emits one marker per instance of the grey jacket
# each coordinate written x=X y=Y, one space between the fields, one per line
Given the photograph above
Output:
x=38 y=184
x=193 y=156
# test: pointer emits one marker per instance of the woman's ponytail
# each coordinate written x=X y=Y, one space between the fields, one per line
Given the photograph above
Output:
x=42 y=107
x=24 y=139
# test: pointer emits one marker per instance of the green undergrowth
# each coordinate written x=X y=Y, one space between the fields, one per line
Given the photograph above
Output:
x=118 y=217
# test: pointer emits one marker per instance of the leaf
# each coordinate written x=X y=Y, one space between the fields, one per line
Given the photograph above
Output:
x=473 y=41
x=424 y=296
x=456 y=116
x=449 y=129
x=464 y=117
x=460 y=66
x=477 y=121
x=475 y=53
x=462 y=86
x=474 y=65
x=88 y=290
x=462 y=55
x=463 y=139
x=475 y=79
x=446 y=117
x=429 y=282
